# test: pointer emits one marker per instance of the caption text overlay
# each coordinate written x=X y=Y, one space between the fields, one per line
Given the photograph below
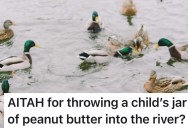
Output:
x=95 y=110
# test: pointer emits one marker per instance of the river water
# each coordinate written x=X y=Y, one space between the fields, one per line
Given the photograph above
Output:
x=58 y=26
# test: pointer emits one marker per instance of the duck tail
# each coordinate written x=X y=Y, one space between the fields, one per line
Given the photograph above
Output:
x=83 y=56
x=185 y=84
x=142 y=27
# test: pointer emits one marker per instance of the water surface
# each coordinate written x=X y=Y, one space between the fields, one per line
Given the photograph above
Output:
x=58 y=26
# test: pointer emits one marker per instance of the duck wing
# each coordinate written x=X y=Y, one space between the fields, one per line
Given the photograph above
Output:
x=97 y=52
x=2 y=32
x=98 y=56
x=165 y=81
x=183 y=48
x=11 y=60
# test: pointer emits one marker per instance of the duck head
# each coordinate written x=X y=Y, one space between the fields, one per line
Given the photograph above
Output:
x=94 y=16
x=7 y=24
x=164 y=42
x=149 y=85
x=137 y=44
x=123 y=52
x=5 y=86
x=153 y=75
x=29 y=44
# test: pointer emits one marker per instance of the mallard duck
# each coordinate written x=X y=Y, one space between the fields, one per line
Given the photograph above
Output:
x=98 y=56
x=128 y=8
x=176 y=52
x=142 y=34
x=7 y=33
x=164 y=84
x=95 y=23
x=5 y=89
x=113 y=44
x=123 y=52
x=13 y=63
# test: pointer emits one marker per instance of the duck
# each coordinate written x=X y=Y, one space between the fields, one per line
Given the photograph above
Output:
x=95 y=23
x=128 y=8
x=13 y=63
x=5 y=88
x=167 y=84
x=99 y=56
x=180 y=53
x=142 y=34
x=113 y=44
x=123 y=52
x=7 y=33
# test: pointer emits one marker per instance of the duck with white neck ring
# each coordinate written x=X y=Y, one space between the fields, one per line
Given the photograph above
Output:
x=13 y=63
x=176 y=52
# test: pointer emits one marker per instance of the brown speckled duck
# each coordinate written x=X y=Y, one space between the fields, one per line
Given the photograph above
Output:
x=7 y=33
x=143 y=34
x=164 y=84
x=128 y=8
x=176 y=52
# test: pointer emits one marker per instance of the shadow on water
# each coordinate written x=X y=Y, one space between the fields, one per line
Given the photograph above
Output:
x=171 y=62
x=93 y=35
x=131 y=57
x=129 y=20
x=11 y=74
x=85 y=66
x=8 y=43
x=81 y=70
x=5 y=75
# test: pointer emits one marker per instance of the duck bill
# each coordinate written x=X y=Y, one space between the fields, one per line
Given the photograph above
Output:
x=37 y=46
x=156 y=46
x=97 y=19
x=139 y=50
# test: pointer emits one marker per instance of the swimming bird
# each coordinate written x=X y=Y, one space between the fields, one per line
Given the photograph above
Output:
x=176 y=52
x=126 y=51
x=128 y=8
x=98 y=56
x=143 y=35
x=113 y=44
x=13 y=63
x=164 y=84
x=5 y=88
x=7 y=33
x=95 y=23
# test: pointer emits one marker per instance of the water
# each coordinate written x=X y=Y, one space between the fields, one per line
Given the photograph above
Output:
x=58 y=26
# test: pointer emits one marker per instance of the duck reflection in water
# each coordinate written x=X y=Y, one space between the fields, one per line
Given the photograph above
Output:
x=129 y=10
